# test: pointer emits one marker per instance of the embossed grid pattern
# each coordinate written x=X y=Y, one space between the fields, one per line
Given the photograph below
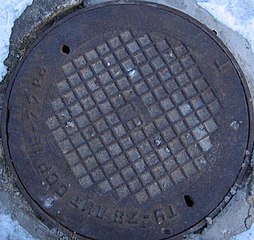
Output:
x=135 y=116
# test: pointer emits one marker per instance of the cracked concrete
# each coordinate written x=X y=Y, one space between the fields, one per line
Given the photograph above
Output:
x=236 y=217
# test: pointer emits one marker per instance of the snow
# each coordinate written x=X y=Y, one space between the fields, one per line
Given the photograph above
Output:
x=248 y=235
x=9 y=11
x=11 y=230
x=236 y=14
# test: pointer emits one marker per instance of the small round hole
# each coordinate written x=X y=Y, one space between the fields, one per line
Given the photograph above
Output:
x=189 y=201
x=166 y=231
x=214 y=32
x=66 y=49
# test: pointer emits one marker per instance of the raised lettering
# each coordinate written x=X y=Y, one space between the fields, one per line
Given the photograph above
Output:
x=36 y=82
x=76 y=202
x=119 y=215
x=52 y=179
x=160 y=216
x=43 y=168
x=221 y=66
x=42 y=72
x=87 y=206
x=171 y=212
x=101 y=212
x=133 y=218
x=32 y=99
x=62 y=190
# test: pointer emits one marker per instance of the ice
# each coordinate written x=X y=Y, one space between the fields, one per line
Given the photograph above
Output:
x=11 y=229
x=9 y=11
x=236 y=14
x=248 y=235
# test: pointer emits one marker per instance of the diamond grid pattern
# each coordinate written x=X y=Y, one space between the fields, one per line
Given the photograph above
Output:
x=108 y=143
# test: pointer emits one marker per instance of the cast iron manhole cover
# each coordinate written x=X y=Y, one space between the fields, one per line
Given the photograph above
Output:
x=127 y=122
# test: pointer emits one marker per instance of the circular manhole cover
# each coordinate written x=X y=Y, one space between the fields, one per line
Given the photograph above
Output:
x=127 y=122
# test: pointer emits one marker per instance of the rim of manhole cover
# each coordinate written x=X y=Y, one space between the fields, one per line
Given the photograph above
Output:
x=127 y=121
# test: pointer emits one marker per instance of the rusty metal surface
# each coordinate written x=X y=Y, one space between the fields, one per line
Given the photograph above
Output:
x=127 y=129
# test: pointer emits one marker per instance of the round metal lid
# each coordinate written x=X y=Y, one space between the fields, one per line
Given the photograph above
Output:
x=126 y=121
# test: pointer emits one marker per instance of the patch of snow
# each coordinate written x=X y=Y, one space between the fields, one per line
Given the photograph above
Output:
x=158 y=142
x=235 y=125
x=236 y=14
x=132 y=73
x=167 y=150
x=70 y=125
x=9 y=11
x=49 y=202
x=248 y=235
x=11 y=229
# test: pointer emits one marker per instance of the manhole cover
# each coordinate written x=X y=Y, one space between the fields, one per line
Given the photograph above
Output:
x=127 y=122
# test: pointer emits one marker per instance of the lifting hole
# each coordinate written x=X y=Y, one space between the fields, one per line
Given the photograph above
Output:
x=166 y=231
x=66 y=49
x=189 y=201
x=215 y=32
